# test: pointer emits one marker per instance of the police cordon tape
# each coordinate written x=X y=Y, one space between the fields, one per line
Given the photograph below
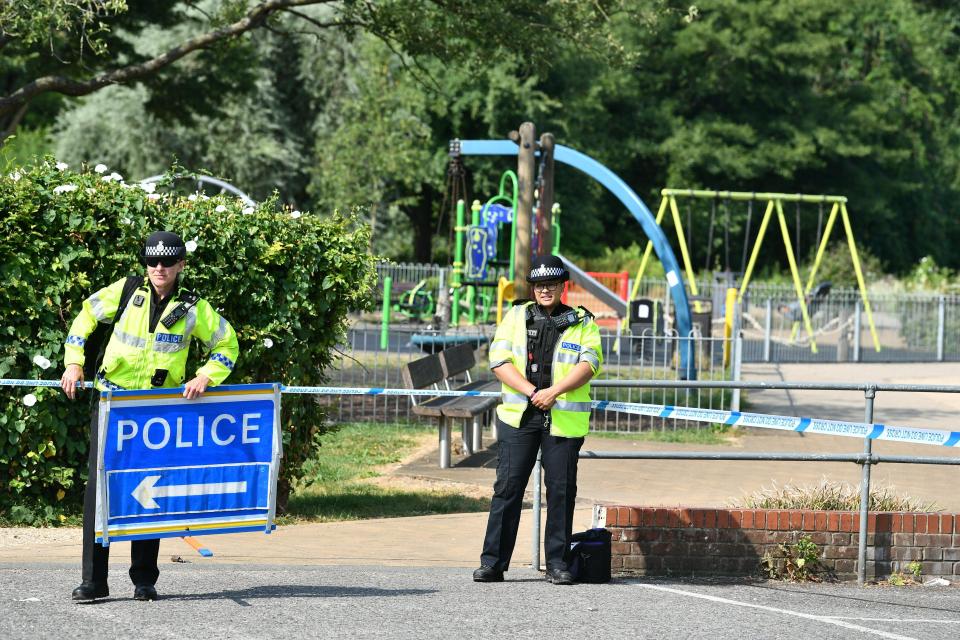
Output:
x=731 y=418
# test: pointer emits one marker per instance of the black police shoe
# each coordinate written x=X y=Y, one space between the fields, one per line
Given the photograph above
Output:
x=559 y=576
x=88 y=591
x=487 y=574
x=145 y=592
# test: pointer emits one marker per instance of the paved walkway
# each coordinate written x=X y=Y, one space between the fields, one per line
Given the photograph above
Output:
x=454 y=540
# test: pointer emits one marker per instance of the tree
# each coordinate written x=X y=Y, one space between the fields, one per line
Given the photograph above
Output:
x=74 y=48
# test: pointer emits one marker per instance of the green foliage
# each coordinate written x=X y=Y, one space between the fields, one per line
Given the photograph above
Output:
x=285 y=283
x=927 y=275
x=798 y=562
x=836 y=265
x=830 y=495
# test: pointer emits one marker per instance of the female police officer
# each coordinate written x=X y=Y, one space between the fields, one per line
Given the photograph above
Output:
x=544 y=354
x=147 y=349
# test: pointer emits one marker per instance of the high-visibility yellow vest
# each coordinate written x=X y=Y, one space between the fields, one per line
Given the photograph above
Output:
x=134 y=354
x=580 y=342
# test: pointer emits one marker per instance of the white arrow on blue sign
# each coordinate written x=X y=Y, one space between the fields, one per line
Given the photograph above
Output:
x=174 y=467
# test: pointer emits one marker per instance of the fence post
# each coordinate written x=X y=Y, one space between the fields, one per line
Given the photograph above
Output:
x=535 y=550
x=869 y=394
x=385 y=316
x=767 y=329
x=857 y=310
x=941 y=326
x=737 y=355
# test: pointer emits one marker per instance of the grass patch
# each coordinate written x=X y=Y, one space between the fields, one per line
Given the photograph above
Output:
x=714 y=434
x=339 y=483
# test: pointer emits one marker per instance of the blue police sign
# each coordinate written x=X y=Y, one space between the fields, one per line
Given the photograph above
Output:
x=175 y=467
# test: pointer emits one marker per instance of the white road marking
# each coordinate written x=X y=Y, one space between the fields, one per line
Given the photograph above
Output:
x=912 y=620
x=807 y=616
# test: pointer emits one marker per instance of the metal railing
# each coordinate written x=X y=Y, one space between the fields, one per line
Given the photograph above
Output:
x=866 y=459
x=361 y=362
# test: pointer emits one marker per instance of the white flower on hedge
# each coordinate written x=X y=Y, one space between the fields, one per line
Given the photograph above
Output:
x=191 y=245
x=267 y=342
x=192 y=197
x=116 y=176
x=248 y=210
x=100 y=168
x=295 y=214
x=15 y=176
x=62 y=166
x=29 y=399
x=153 y=196
x=41 y=362
x=65 y=188
x=90 y=190
x=126 y=220
x=220 y=208
x=149 y=187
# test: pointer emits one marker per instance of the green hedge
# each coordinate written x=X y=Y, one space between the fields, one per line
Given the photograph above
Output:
x=285 y=281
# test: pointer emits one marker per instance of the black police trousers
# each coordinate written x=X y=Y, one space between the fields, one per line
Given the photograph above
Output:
x=517 y=456
x=143 y=553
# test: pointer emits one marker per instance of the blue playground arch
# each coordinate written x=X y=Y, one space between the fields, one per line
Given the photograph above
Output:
x=635 y=205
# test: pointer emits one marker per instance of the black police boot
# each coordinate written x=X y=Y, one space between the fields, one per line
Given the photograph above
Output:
x=145 y=592
x=88 y=591
x=487 y=574
x=559 y=576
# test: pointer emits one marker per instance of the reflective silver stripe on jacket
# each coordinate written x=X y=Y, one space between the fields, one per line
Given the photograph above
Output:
x=190 y=323
x=590 y=356
x=217 y=335
x=515 y=398
x=130 y=340
x=567 y=358
x=97 y=307
x=501 y=344
x=171 y=347
x=566 y=405
x=494 y=365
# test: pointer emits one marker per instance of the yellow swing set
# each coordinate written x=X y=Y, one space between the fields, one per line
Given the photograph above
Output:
x=774 y=203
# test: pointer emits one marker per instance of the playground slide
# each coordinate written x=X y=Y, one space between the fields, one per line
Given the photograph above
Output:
x=595 y=288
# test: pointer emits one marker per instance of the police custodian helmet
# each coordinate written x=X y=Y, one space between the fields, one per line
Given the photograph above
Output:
x=163 y=244
x=546 y=268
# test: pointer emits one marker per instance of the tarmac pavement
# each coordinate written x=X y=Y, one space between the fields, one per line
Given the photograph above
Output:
x=409 y=577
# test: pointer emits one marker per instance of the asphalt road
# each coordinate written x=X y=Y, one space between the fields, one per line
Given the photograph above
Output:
x=262 y=601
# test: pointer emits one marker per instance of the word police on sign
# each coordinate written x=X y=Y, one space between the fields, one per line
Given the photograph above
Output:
x=174 y=467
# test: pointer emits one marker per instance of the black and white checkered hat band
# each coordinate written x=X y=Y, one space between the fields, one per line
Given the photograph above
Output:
x=161 y=250
x=546 y=272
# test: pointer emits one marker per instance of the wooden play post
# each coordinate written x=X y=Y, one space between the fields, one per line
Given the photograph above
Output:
x=526 y=177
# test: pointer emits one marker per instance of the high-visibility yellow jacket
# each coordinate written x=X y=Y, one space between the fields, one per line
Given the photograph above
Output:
x=580 y=342
x=134 y=354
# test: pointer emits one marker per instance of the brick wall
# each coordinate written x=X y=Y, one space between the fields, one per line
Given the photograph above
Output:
x=692 y=541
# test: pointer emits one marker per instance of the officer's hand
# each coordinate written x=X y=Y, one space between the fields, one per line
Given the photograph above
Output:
x=196 y=387
x=70 y=378
x=544 y=398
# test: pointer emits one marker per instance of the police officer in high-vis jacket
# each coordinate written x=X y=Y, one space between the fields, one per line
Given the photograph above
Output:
x=147 y=349
x=544 y=353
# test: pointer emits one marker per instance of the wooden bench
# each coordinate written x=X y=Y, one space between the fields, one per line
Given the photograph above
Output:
x=444 y=369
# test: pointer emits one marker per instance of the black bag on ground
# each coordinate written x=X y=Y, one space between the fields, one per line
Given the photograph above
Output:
x=590 y=556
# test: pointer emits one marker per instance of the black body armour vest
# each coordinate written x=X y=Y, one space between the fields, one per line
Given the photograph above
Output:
x=543 y=331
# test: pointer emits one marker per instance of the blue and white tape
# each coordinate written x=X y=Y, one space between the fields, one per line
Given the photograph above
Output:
x=733 y=418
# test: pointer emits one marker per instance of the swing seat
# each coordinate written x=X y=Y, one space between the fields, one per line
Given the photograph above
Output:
x=817 y=295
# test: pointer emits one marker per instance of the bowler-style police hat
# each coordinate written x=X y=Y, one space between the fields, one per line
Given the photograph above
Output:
x=163 y=244
x=545 y=268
